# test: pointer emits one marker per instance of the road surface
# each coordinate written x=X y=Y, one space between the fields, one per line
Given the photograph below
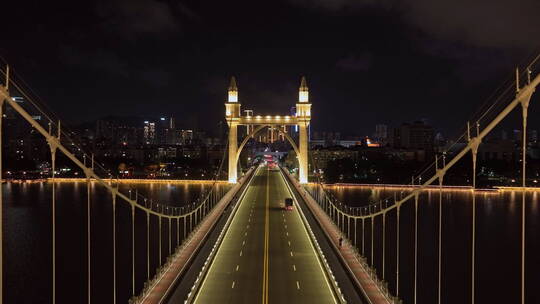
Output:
x=266 y=255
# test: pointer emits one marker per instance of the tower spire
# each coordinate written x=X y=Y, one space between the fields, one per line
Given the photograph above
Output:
x=303 y=94
x=233 y=90
x=232 y=85
x=303 y=84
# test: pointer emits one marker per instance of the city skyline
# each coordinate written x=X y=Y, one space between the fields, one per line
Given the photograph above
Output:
x=360 y=59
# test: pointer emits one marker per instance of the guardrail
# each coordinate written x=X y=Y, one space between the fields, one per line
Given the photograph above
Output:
x=151 y=285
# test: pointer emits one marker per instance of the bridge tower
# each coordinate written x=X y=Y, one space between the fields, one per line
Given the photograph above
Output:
x=278 y=123
x=303 y=114
x=232 y=113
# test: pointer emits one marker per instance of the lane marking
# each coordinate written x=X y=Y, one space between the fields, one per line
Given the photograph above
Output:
x=292 y=254
x=266 y=243
x=237 y=266
x=309 y=238
x=240 y=252
x=228 y=232
x=232 y=285
x=294 y=267
x=289 y=243
x=243 y=243
x=298 y=285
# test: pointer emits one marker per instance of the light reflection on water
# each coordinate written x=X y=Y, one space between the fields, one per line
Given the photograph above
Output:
x=27 y=238
x=498 y=242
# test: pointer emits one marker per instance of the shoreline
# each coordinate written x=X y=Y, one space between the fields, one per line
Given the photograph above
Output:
x=430 y=187
x=121 y=181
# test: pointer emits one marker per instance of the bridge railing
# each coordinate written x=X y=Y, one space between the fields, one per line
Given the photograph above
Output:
x=378 y=214
x=182 y=219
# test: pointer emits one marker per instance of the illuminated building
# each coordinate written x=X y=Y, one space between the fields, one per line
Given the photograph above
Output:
x=149 y=132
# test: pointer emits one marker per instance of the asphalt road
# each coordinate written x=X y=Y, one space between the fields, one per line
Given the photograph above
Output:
x=266 y=255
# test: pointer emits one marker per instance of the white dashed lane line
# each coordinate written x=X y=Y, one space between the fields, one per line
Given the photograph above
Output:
x=294 y=267
x=297 y=284
x=237 y=266
x=233 y=284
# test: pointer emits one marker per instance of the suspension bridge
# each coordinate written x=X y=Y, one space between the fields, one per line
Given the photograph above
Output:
x=238 y=244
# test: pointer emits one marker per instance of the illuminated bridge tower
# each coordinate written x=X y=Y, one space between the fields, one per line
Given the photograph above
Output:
x=232 y=113
x=257 y=123
x=303 y=116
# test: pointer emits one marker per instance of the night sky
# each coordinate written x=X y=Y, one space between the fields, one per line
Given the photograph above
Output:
x=366 y=61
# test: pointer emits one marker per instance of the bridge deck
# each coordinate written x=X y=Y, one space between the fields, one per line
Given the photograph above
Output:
x=370 y=288
x=266 y=255
x=165 y=283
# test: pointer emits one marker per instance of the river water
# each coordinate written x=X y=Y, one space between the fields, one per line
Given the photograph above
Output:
x=498 y=243
x=27 y=240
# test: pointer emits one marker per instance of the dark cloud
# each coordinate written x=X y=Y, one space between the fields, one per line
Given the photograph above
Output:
x=145 y=57
x=156 y=76
x=99 y=60
x=353 y=62
x=490 y=23
x=133 y=17
x=339 y=5
x=110 y=63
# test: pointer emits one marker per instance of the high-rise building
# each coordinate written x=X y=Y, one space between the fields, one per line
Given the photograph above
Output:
x=381 y=133
x=166 y=131
x=417 y=135
x=185 y=137
x=149 y=132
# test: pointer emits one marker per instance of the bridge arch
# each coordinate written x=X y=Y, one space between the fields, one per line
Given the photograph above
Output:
x=300 y=119
x=257 y=130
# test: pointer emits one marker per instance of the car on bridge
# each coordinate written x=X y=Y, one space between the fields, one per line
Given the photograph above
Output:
x=288 y=204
